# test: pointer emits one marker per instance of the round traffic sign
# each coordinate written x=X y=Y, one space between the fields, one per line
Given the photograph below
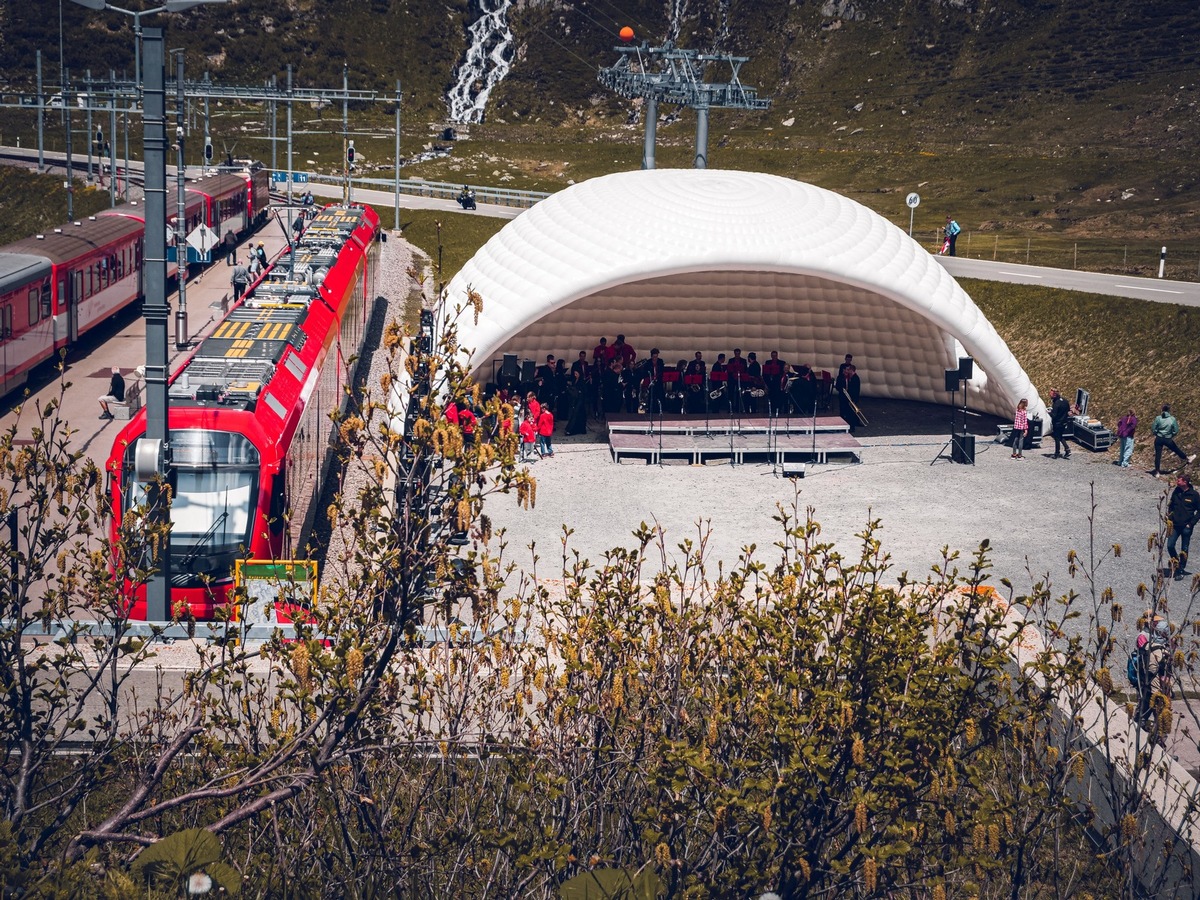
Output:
x=913 y=200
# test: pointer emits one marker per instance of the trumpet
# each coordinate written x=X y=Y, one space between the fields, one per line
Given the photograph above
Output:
x=854 y=408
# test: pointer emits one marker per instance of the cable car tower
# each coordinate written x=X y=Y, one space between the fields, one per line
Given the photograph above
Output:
x=668 y=74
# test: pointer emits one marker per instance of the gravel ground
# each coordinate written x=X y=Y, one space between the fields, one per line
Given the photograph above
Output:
x=1032 y=512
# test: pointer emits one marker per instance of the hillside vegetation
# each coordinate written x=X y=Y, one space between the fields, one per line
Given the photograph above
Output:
x=1057 y=116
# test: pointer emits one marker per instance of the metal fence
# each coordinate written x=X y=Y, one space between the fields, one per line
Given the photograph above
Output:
x=439 y=190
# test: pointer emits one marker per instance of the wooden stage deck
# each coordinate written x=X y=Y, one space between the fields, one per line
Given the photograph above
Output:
x=753 y=439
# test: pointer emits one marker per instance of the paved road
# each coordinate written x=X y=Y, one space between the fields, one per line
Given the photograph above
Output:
x=1157 y=290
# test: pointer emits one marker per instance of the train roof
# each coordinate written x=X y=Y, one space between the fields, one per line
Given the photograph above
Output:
x=71 y=241
x=218 y=185
x=233 y=365
x=17 y=269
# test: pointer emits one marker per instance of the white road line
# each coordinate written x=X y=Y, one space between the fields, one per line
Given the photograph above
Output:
x=1138 y=287
x=1023 y=275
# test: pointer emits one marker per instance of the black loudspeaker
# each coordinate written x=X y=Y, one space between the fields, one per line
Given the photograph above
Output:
x=963 y=449
x=527 y=370
x=951 y=380
x=508 y=369
x=966 y=368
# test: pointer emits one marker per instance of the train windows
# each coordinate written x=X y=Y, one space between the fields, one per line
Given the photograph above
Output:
x=6 y=326
x=35 y=307
x=46 y=298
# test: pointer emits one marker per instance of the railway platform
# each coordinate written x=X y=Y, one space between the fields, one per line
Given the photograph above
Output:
x=121 y=342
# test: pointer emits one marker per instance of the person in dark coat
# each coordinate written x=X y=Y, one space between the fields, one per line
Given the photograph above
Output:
x=1183 y=512
x=848 y=397
x=1060 y=413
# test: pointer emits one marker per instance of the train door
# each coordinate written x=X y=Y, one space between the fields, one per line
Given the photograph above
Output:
x=6 y=334
x=73 y=306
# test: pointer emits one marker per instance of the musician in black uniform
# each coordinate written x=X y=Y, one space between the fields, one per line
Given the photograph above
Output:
x=544 y=376
x=718 y=383
x=694 y=390
x=652 y=381
x=754 y=376
x=738 y=383
x=802 y=387
x=772 y=373
x=848 y=396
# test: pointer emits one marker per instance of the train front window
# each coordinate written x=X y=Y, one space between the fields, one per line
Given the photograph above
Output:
x=214 y=481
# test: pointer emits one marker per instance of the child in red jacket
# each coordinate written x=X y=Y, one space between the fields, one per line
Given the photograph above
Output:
x=545 y=429
x=528 y=433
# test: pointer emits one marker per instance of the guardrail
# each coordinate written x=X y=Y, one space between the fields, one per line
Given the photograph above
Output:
x=439 y=190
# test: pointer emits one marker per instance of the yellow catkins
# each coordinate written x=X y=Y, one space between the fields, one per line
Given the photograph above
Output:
x=994 y=840
x=858 y=751
x=1008 y=824
x=939 y=892
x=979 y=838
x=300 y=661
x=662 y=854
x=505 y=677
x=949 y=822
x=1104 y=679
x=870 y=875
x=514 y=607
x=860 y=817
x=539 y=679
x=1077 y=766
x=618 y=691
x=1129 y=827
x=720 y=817
x=354 y=663
x=847 y=715
x=766 y=818
x=805 y=869
x=1052 y=755
x=276 y=718
x=969 y=731
x=711 y=737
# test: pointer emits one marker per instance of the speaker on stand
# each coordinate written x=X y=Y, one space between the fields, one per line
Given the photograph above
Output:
x=963 y=449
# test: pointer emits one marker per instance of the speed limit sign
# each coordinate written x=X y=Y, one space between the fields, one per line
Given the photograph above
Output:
x=913 y=200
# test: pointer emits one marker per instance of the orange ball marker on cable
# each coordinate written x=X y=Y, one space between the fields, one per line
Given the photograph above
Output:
x=626 y=34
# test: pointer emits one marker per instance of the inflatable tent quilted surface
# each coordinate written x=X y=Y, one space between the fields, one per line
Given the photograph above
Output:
x=710 y=260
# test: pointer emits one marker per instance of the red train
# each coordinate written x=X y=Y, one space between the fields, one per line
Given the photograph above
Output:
x=250 y=433
x=55 y=286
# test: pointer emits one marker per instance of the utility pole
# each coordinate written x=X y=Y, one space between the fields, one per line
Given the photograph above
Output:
x=396 y=211
x=70 y=184
x=153 y=455
x=289 y=137
x=41 y=116
x=87 y=85
x=181 y=245
x=346 y=132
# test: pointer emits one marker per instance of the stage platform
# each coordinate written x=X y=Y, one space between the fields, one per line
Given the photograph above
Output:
x=698 y=448
x=674 y=423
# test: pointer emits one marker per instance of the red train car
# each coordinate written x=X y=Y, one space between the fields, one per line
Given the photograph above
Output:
x=227 y=202
x=249 y=413
x=258 y=180
x=56 y=286
x=195 y=208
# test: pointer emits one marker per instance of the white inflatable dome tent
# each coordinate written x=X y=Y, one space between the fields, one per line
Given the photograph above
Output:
x=710 y=260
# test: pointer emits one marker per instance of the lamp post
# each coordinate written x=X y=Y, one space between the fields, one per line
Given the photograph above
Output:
x=152 y=452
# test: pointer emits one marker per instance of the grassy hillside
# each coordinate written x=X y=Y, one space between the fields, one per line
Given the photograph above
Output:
x=30 y=203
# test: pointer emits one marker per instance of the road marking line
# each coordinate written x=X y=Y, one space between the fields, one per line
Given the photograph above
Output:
x=1023 y=275
x=1138 y=287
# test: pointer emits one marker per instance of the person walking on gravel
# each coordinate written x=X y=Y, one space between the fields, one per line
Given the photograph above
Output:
x=1165 y=427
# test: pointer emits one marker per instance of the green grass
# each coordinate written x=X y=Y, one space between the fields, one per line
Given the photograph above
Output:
x=30 y=203
x=448 y=239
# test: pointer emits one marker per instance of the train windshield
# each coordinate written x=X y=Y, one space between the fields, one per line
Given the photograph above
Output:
x=214 y=476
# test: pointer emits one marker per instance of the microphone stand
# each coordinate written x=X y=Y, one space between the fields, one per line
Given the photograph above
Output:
x=814 y=430
x=707 y=388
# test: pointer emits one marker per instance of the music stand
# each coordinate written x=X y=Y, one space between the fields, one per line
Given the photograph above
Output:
x=670 y=379
x=689 y=382
x=721 y=379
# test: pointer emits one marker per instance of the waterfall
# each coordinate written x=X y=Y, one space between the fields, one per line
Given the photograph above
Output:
x=486 y=62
